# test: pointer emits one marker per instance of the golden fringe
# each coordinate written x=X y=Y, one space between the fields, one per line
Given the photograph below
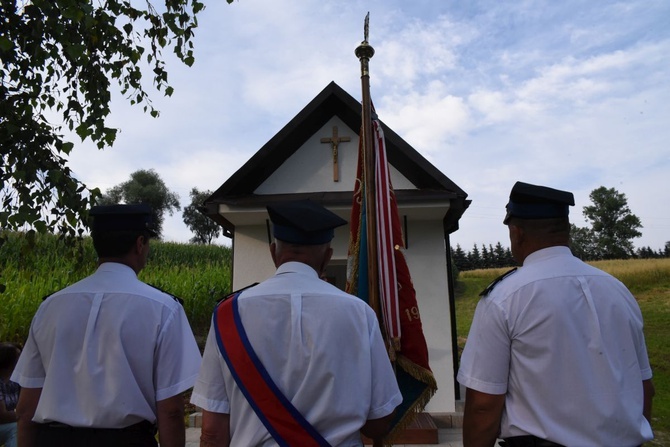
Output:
x=423 y=375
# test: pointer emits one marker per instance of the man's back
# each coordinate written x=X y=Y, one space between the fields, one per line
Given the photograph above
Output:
x=572 y=337
x=105 y=349
x=322 y=349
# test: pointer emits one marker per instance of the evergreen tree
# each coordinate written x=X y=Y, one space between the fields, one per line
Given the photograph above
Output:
x=509 y=259
x=475 y=258
x=460 y=258
x=499 y=253
x=486 y=259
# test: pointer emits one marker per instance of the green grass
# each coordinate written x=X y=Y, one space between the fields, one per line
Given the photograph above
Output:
x=648 y=280
x=198 y=274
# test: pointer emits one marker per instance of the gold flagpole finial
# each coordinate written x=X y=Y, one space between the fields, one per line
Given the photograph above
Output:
x=364 y=51
x=366 y=27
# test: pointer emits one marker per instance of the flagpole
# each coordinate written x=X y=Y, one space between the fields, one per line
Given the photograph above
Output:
x=364 y=52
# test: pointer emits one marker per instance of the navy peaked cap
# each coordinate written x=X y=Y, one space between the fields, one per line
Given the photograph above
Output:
x=123 y=218
x=528 y=201
x=303 y=222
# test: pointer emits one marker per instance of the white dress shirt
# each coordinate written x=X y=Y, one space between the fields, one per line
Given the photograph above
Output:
x=322 y=348
x=105 y=350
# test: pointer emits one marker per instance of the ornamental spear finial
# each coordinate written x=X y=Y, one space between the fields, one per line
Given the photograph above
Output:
x=364 y=51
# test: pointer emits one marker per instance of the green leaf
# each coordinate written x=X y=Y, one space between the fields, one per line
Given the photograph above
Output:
x=197 y=6
x=75 y=51
x=67 y=147
x=41 y=227
x=5 y=43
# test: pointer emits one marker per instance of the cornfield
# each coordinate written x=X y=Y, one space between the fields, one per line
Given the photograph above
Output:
x=198 y=274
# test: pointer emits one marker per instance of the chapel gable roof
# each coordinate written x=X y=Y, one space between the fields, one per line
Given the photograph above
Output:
x=238 y=190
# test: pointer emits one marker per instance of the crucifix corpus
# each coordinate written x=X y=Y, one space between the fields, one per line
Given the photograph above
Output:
x=335 y=141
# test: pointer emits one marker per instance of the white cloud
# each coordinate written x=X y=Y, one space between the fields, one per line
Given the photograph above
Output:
x=568 y=94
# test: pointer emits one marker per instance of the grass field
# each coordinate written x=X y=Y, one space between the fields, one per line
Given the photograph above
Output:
x=648 y=280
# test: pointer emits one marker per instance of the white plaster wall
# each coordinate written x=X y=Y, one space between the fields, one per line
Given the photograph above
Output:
x=428 y=266
x=310 y=168
x=340 y=243
x=251 y=256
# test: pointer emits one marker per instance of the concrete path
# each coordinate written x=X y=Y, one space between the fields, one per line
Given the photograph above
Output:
x=448 y=437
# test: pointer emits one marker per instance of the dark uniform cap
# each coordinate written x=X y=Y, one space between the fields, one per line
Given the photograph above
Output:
x=122 y=218
x=528 y=201
x=303 y=222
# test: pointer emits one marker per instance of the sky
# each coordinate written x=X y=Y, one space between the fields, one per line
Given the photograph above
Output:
x=568 y=94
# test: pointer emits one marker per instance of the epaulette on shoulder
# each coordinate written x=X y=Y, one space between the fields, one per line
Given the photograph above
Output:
x=495 y=282
x=232 y=294
x=174 y=297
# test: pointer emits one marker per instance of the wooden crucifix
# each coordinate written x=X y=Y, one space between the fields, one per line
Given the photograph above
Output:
x=335 y=141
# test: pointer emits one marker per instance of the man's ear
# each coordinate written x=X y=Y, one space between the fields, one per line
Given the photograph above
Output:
x=326 y=259
x=516 y=234
x=140 y=242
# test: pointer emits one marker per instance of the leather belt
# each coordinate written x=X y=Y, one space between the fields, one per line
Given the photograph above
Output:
x=139 y=427
x=528 y=441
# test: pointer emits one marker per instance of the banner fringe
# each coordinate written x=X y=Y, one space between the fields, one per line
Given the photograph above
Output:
x=424 y=375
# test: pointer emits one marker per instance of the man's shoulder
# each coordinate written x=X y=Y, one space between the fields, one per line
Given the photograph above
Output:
x=155 y=293
x=496 y=282
x=77 y=287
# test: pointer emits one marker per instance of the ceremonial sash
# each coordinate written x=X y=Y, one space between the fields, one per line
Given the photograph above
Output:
x=282 y=420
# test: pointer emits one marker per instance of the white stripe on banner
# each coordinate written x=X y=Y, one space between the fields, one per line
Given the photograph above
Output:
x=388 y=281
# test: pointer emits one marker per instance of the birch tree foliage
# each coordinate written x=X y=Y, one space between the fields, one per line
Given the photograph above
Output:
x=58 y=61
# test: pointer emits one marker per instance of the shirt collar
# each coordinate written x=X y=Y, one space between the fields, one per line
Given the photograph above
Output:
x=116 y=267
x=296 y=267
x=547 y=253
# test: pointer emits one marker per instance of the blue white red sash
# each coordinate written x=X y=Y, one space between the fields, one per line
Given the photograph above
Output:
x=282 y=420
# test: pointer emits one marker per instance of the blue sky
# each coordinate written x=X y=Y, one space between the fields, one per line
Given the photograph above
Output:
x=572 y=94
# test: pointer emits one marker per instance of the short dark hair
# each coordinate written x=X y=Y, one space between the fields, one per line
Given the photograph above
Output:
x=113 y=244
x=9 y=354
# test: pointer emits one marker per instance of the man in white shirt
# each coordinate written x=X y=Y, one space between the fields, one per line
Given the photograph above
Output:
x=556 y=354
x=322 y=349
x=107 y=358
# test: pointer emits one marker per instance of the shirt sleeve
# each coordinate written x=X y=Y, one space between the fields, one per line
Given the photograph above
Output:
x=643 y=357
x=177 y=356
x=210 y=392
x=29 y=371
x=386 y=395
x=485 y=359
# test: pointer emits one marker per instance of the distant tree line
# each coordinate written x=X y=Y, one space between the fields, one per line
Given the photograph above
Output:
x=613 y=228
x=482 y=258
x=488 y=257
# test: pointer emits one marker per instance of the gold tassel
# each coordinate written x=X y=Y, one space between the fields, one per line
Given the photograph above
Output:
x=423 y=375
